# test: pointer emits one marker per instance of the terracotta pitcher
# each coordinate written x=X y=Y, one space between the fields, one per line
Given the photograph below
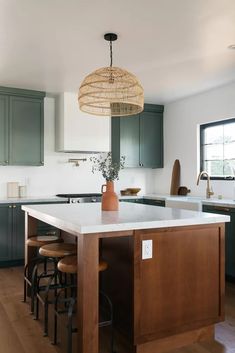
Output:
x=109 y=199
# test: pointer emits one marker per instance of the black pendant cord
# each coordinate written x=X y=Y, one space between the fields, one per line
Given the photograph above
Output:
x=111 y=53
x=111 y=37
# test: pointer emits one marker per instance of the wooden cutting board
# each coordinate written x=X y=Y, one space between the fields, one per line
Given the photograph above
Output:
x=175 y=179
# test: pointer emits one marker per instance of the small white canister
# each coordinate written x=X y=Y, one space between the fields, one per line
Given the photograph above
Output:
x=23 y=191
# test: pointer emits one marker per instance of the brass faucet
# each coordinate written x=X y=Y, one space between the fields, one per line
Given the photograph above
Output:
x=209 y=191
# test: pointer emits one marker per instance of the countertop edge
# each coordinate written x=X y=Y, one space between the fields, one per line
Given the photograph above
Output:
x=115 y=227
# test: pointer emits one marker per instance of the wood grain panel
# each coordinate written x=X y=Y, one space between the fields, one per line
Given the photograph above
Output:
x=177 y=341
x=181 y=287
x=87 y=317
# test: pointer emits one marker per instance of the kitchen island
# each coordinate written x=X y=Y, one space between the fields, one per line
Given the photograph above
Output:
x=174 y=296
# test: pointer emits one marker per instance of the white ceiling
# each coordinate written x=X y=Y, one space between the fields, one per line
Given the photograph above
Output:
x=175 y=47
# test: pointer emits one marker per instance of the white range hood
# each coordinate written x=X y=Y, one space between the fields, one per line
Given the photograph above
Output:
x=77 y=131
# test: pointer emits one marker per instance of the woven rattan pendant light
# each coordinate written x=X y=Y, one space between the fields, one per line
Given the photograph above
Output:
x=111 y=91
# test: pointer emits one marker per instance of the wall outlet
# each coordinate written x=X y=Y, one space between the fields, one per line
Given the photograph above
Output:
x=147 y=249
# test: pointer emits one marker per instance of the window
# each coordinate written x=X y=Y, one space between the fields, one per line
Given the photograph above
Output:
x=217 y=149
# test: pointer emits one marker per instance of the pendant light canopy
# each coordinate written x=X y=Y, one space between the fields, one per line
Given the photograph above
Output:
x=111 y=91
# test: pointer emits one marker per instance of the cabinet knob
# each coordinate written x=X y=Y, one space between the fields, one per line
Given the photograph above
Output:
x=6 y=161
x=42 y=162
x=10 y=206
x=14 y=206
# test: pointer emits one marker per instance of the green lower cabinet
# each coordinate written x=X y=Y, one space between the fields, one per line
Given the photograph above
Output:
x=160 y=203
x=18 y=236
x=5 y=232
x=144 y=201
x=128 y=200
x=229 y=238
x=12 y=233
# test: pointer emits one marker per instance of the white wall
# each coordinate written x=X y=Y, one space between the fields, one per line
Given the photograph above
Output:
x=59 y=176
x=181 y=121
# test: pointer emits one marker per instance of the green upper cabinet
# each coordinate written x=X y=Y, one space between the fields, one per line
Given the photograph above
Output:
x=3 y=129
x=129 y=132
x=151 y=139
x=22 y=120
x=139 y=138
x=26 y=129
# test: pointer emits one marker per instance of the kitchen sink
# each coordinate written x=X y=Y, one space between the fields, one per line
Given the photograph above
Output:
x=185 y=202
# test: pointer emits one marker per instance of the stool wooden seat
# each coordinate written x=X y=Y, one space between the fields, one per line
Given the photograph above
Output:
x=40 y=240
x=30 y=269
x=69 y=265
x=55 y=251
x=58 y=249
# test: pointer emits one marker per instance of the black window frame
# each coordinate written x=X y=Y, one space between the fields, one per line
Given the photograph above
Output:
x=202 y=129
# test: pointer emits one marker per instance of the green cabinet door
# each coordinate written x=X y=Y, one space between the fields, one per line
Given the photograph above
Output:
x=4 y=101
x=18 y=236
x=139 y=138
x=160 y=203
x=151 y=140
x=128 y=200
x=5 y=232
x=115 y=139
x=12 y=233
x=230 y=246
x=146 y=201
x=25 y=131
x=229 y=238
x=129 y=140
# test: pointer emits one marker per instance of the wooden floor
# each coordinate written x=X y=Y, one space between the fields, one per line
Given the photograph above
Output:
x=19 y=333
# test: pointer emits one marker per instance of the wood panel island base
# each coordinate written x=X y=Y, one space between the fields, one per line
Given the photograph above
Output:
x=164 y=302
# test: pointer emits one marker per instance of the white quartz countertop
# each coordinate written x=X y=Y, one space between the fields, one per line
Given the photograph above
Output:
x=88 y=217
x=32 y=199
x=213 y=201
x=163 y=197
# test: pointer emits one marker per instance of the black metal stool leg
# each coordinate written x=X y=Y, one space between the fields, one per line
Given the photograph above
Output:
x=46 y=304
x=55 y=324
x=46 y=319
x=55 y=316
x=37 y=309
x=70 y=325
x=45 y=265
x=110 y=321
x=33 y=287
x=25 y=286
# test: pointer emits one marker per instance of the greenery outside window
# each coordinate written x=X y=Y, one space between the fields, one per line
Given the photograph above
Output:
x=217 y=149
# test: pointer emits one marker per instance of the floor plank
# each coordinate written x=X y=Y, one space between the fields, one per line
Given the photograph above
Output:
x=19 y=333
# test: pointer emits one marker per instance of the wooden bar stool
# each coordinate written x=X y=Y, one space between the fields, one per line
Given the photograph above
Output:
x=68 y=265
x=36 y=241
x=56 y=251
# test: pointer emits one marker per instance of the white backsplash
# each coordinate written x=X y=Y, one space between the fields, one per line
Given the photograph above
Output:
x=59 y=176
